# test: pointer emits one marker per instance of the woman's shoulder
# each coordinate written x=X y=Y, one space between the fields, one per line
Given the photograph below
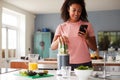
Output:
x=63 y=24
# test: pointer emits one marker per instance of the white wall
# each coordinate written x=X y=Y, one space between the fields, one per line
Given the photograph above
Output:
x=0 y=26
x=29 y=24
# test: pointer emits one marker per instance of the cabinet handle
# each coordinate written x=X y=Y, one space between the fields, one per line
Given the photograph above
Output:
x=42 y=43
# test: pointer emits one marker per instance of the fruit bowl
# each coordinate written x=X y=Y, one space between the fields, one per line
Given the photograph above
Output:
x=83 y=74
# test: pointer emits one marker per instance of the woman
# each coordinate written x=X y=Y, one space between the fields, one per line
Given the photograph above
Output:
x=74 y=14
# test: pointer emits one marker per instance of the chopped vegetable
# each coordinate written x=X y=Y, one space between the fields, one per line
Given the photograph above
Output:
x=84 y=68
x=62 y=48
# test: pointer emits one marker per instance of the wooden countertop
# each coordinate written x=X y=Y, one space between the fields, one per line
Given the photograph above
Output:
x=94 y=62
x=39 y=61
x=23 y=64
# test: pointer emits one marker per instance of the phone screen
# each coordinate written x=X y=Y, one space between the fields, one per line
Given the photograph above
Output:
x=83 y=28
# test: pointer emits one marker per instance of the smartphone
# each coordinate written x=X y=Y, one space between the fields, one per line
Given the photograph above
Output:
x=83 y=28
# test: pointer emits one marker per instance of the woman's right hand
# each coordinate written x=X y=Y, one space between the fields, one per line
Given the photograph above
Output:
x=57 y=39
x=63 y=39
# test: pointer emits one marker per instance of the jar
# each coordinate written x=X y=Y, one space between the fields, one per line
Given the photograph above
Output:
x=33 y=61
x=111 y=54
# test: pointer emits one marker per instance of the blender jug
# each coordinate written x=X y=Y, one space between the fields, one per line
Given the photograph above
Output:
x=62 y=56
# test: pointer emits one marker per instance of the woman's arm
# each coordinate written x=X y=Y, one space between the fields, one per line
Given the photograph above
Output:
x=56 y=39
x=55 y=42
x=91 y=41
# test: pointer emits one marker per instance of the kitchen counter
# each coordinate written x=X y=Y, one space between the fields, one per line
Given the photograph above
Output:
x=23 y=64
x=13 y=76
x=39 y=61
x=107 y=63
x=53 y=64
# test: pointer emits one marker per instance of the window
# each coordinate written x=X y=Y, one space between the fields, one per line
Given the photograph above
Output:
x=13 y=34
x=108 y=39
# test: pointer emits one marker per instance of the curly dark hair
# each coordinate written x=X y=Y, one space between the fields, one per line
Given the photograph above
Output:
x=64 y=10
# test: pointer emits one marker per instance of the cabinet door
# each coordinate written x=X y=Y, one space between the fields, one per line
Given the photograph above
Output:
x=113 y=68
x=46 y=38
x=42 y=42
x=19 y=65
x=53 y=53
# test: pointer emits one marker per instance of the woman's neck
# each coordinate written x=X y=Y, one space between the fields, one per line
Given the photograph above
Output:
x=71 y=21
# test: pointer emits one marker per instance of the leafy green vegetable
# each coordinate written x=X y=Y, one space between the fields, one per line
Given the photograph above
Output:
x=84 y=68
x=62 y=48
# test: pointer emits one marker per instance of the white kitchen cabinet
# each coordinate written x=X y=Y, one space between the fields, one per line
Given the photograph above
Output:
x=53 y=53
x=108 y=68
x=42 y=42
x=98 y=68
x=113 y=68
x=4 y=63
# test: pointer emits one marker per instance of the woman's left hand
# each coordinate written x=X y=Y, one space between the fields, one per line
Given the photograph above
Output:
x=84 y=35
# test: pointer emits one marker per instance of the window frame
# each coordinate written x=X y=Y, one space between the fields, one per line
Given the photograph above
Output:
x=21 y=23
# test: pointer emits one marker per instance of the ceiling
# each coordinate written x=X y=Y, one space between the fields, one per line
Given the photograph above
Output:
x=53 y=6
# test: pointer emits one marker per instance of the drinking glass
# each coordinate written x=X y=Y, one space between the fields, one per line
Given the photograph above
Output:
x=65 y=70
x=33 y=59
